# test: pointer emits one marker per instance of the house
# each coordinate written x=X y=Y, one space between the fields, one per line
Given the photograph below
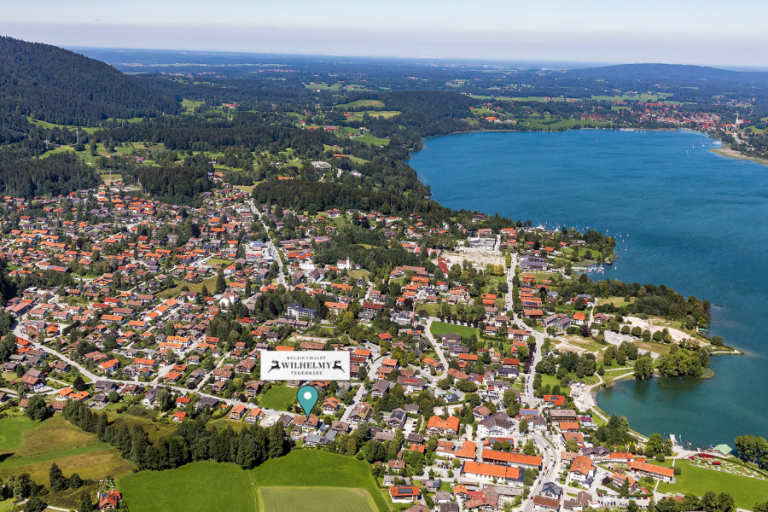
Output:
x=207 y=402
x=397 y=418
x=554 y=400
x=619 y=457
x=31 y=382
x=482 y=471
x=447 y=427
x=411 y=385
x=254 y=415
x=641 y=467
x=618 y=480
x=495 y=425
x=551 y=490
x=379 y=387
x=110 y=500
x=481 y=412
x=150 y=397
x=544 y=504
x=361 y=412
x=179 y=416
x=237 y=412
x=404 y=494
x=252 y=387
x=582 y=471
x=512 y=459
x=582 y=502
x=330 y=405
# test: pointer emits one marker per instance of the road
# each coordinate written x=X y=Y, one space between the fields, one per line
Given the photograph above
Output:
x=270 y=244
x=435 y=345
x=375 y=364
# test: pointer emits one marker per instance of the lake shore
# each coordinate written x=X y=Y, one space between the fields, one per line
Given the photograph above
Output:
x=634 y=187
x=731 y=153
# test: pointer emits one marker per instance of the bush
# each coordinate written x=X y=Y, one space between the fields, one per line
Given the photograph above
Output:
x=678 y=470
x=660 y=457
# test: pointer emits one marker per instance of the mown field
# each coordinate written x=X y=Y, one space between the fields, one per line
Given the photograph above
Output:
x=314 y=499
x=311 y=468
x=304 y=478
x=202 y=486
x=438 y=328
x=278 y=397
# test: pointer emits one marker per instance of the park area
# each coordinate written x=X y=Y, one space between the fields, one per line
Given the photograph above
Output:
x=698 y=479
x=302 y=480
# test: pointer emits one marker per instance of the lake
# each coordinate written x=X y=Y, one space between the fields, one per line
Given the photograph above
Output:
x=688 y=218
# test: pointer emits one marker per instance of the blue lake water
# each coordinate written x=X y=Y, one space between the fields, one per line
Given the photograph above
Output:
x=690 y=219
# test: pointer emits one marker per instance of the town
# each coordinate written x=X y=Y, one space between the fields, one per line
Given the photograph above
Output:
x=472 y=379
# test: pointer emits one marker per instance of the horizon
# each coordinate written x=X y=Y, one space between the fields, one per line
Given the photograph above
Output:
x=595 y=31
x=517 y=63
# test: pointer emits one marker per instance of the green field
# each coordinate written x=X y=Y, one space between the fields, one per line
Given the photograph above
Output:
x=315 y=499
x=438 y=328
x=745 y=491
x=205 y=486
x=362 y=103
x=209 y=283
x=312 y=468
x=278 y=397
x=12 y=432
x=31 y=447
x=386 y=114
x=201 y=486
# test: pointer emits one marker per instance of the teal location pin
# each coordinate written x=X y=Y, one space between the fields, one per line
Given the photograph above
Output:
x=307 y=398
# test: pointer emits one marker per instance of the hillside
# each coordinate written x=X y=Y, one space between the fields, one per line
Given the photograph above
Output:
x=63 y=87
x=668 y=71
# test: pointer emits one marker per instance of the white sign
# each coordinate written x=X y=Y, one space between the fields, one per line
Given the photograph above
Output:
x=305 y=365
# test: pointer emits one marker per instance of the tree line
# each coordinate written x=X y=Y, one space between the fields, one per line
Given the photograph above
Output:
x=192 y=441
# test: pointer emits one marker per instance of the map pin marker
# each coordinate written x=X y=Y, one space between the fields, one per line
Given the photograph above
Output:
x=307 y=398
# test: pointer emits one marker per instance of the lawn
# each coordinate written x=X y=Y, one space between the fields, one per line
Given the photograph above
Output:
x=438 y=328
x=315 y=499
x=278 y=397
x=201 y=486
x=312 y=468
x=745 y=491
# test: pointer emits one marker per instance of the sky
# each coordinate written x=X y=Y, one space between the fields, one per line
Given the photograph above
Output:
x=705 y=32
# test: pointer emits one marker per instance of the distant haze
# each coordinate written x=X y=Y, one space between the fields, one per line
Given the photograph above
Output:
x=702 y=32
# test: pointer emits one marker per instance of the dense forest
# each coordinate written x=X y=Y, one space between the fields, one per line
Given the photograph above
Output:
x=176 y=183
x=21 y=175
x=60 y=86
x=318 y=197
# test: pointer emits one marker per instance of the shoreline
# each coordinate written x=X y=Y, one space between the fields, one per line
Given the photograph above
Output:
x=731 y=153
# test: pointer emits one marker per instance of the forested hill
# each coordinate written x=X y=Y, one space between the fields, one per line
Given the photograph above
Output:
x=668 y=71
x=63 y=87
